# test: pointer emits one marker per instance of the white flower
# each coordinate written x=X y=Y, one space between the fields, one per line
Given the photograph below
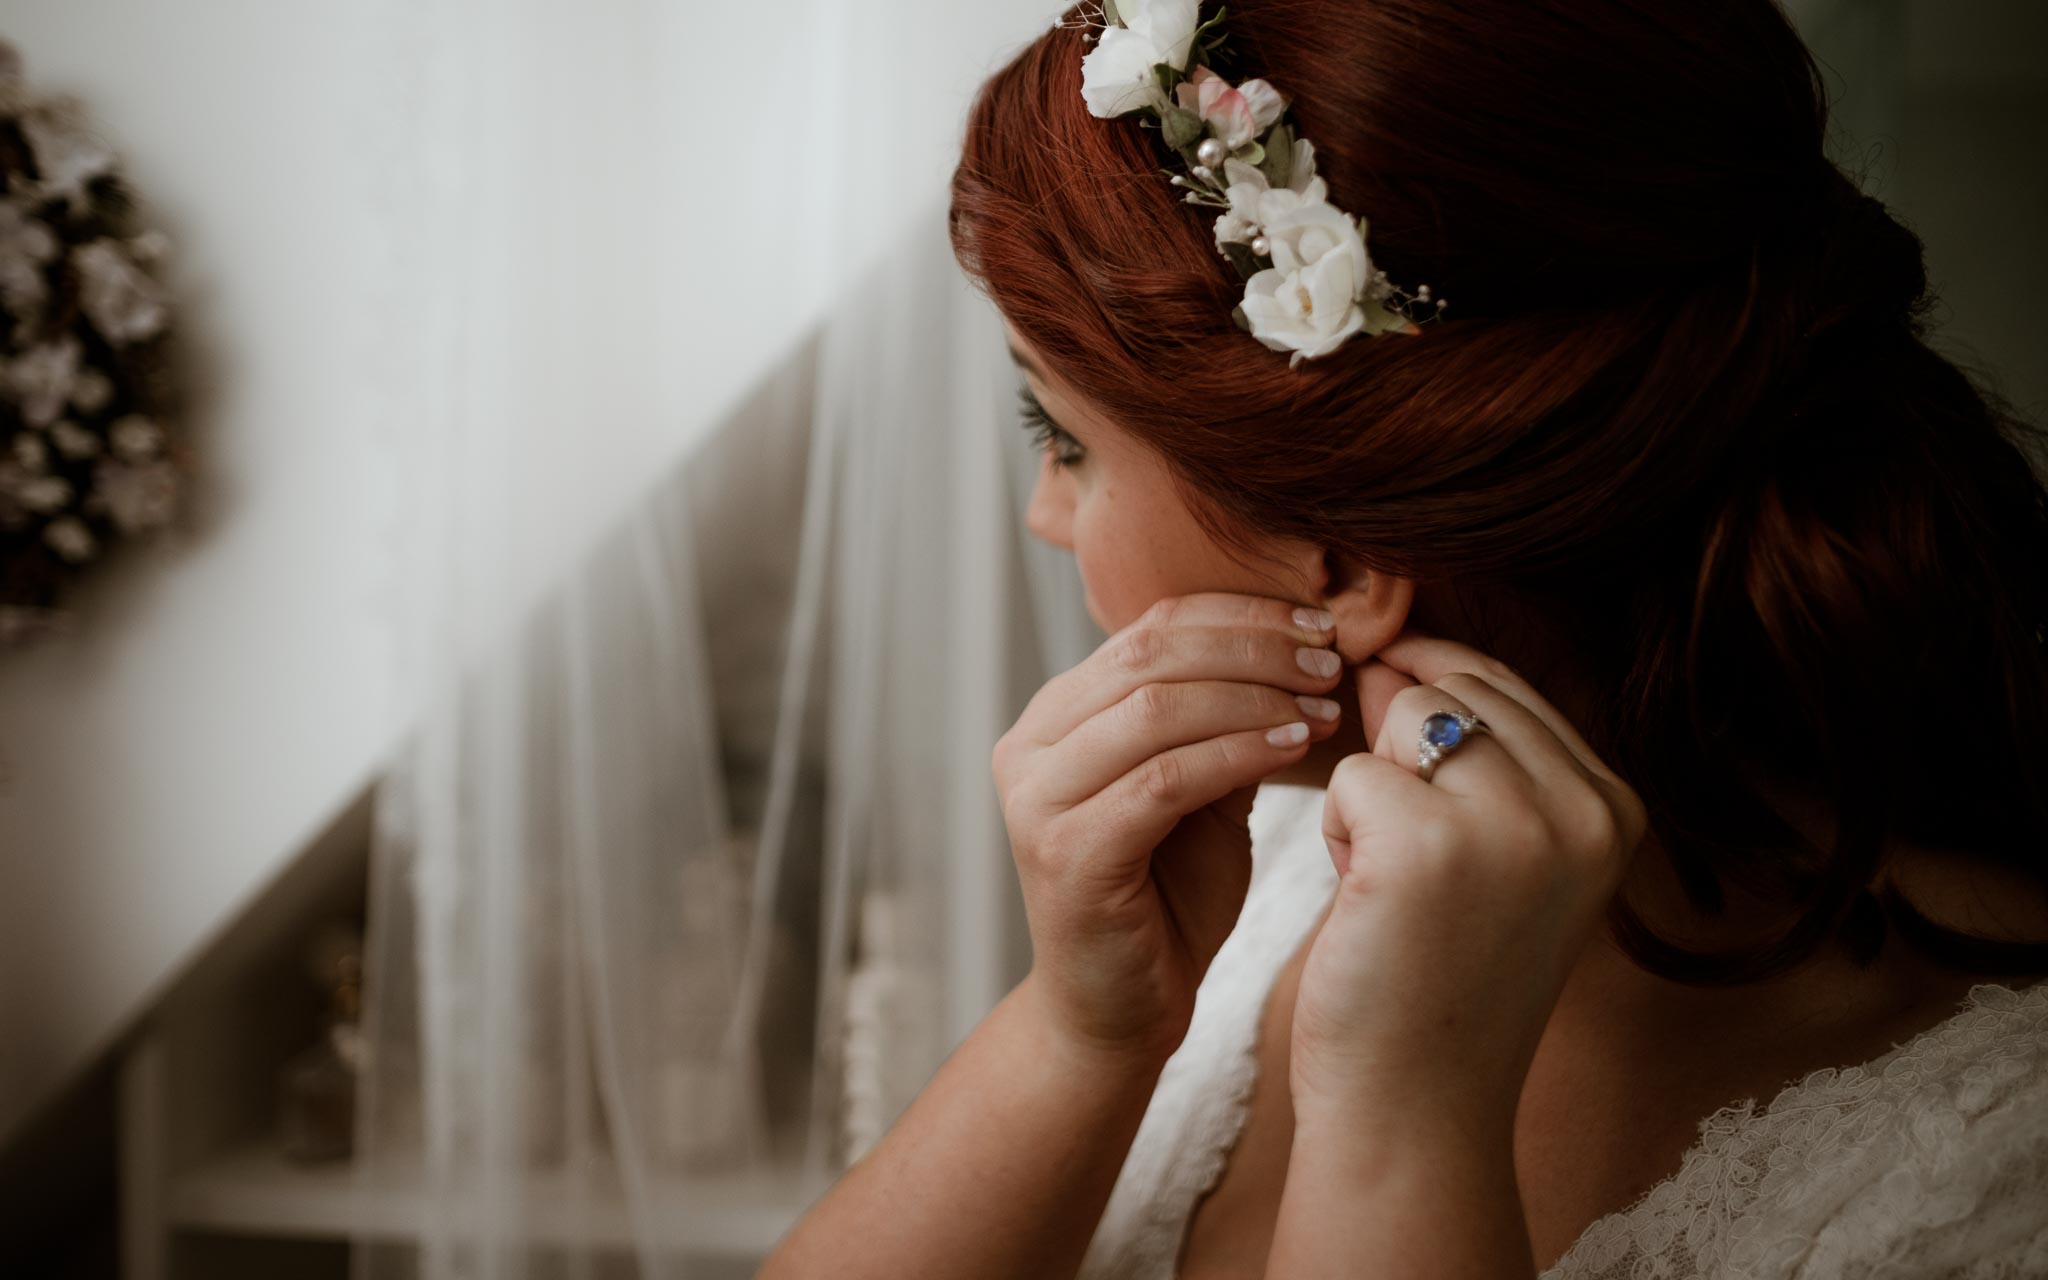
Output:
x=69 y=538
x=31 y=454
x=44 y=493
x=1303 y=236
x=1313 y=296
x=68 y=156
x=72 y=440
x=25 y=245
x=150 y=246
x=1254 y=202
x=1234 y=115
x=1116 y=76
x=136 y=438
x=120 y=299
x=92 y=390
x=42 y=377
x=137 y=498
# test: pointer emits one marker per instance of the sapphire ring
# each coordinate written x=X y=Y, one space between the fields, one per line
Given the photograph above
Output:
x=1442 y=733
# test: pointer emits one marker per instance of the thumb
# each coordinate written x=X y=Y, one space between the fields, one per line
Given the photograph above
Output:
x=1204 y=868
x=1377 y=684
x=1362 y=787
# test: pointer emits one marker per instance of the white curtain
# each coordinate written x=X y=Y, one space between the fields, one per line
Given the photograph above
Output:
x=692 y=872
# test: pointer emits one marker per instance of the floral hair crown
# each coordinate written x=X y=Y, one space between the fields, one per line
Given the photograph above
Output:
x=1309 y=284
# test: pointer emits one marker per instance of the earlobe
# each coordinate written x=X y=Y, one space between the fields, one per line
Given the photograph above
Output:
x=1371 y=607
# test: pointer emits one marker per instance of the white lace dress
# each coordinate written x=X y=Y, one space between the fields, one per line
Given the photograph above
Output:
x=1931 y=1160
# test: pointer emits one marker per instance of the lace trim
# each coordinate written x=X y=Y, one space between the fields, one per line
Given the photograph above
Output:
x=1931 y=1158
x=1199 y=1106
x=1280 y=927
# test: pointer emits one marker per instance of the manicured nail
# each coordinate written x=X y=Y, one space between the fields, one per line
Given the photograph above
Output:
x=1320 y=663
x=1320 y=708
x=1314 y=620
x=1288 y=735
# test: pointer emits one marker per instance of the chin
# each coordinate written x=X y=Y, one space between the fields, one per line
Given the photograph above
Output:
x=1095 y=612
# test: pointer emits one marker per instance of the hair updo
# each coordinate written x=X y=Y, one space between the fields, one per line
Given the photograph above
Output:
x=1679 y=445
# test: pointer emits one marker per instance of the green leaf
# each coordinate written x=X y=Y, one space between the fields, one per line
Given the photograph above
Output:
x=1181 y=127
x=1240 y=256
x=1167 y=75
x=1278 y=165
x=1213 y=19
x=1109 y=14
x=1251 y=153
x=1239 y=318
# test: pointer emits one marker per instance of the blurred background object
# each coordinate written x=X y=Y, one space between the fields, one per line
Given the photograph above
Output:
x=317 y=1090
x=608 y=585
x=88 y=381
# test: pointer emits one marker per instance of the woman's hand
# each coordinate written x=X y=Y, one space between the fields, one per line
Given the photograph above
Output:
x=1126 y=785
x=1462 y=903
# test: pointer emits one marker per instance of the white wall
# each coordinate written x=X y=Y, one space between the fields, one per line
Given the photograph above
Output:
x=219 y=696
x=549 y=196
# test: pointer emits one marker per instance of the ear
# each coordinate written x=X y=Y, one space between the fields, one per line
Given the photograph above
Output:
x=1371 y=607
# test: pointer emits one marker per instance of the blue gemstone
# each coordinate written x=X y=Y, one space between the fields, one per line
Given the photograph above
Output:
x=1442 y=730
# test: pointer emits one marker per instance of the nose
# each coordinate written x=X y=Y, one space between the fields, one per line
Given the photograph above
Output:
x=1050 y=517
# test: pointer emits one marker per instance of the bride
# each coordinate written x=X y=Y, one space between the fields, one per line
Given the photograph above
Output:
x=1566 y=790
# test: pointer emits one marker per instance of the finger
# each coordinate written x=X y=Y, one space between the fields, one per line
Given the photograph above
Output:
x=1429 y=658
x=1145 y=654
x=1157 y=717
x=1475 y=766
x=1368 y=793
x=1562 y=779
x=1139 y=809
x=1233 y=609
x=1541 y=753
x=1377 y=684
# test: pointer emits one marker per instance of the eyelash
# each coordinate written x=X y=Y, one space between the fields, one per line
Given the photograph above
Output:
x=1047 y=432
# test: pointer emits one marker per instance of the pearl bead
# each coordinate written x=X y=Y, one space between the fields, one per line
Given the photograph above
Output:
x=1422 y=293
x=1262 y=247
x=1211 y=152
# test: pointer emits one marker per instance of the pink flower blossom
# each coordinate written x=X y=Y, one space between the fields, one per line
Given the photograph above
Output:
x=1235 y=115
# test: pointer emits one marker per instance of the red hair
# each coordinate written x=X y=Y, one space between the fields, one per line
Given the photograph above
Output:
x=1679 y=443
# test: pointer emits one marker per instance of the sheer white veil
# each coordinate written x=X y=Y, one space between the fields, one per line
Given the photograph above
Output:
x=692 y=872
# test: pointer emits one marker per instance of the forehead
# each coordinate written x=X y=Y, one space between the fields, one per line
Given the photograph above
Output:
x=1021 y=352
x=1074 y=408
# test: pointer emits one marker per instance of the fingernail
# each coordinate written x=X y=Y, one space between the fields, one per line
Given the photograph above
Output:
x=1320 y=663
x=1314 y=620
x=1320 y=708
x=1288 y=735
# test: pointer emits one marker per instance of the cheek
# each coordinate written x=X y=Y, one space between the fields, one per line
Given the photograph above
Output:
x=1106 y=572
x=1133 y=553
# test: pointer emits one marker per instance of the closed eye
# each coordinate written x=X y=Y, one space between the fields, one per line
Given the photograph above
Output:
x=1049 y=437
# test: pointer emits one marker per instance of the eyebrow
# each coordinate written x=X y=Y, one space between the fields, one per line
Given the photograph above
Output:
x=1025 y=362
